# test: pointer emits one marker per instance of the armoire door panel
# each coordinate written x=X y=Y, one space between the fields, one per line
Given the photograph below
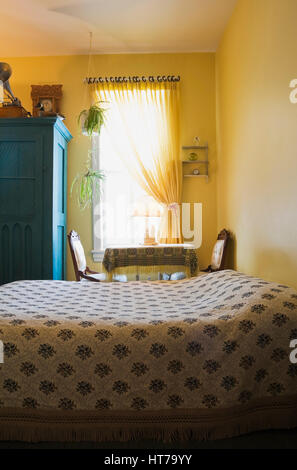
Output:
x=20 y=206
x=19 y=243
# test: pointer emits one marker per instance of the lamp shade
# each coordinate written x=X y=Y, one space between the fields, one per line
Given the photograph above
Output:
x=147 y=208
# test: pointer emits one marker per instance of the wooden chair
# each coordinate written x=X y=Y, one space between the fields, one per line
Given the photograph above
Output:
x=219 y=253
x=82 y=272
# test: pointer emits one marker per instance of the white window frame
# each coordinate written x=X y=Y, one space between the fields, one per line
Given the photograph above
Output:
x=98 y=249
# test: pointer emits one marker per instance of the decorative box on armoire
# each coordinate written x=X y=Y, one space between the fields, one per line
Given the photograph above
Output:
x=33 y=187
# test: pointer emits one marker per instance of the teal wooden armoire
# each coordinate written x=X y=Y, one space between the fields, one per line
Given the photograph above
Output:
x=33 y=186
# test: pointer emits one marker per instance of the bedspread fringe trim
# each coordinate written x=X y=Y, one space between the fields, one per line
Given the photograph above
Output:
x=163 y=425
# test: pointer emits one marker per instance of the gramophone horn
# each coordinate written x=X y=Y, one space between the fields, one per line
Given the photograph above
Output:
x=5 y=74
x=5 y=71
x=7 y=88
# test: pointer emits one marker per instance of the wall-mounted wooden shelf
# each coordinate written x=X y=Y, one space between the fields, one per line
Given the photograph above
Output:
x=195 y=147
x=195 y=176
x=197 y=162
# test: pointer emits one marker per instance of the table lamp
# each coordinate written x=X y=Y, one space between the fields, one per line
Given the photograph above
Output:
x=148 y=210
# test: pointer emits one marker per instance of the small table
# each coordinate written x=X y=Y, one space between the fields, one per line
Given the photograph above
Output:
x=153 y=255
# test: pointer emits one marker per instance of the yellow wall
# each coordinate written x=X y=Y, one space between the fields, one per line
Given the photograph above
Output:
x=197 y=118
x=257 y=137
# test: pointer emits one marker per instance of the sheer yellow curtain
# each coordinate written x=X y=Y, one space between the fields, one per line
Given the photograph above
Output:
x=143 y=120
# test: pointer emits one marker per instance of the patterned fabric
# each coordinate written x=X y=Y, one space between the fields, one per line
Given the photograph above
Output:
x=215 y=341
x=150 y=256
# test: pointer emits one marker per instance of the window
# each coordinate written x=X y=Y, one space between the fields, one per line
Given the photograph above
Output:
x=139 y=152
x=116 y=221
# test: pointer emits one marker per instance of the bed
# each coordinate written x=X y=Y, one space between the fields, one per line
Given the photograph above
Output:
x=202 y=358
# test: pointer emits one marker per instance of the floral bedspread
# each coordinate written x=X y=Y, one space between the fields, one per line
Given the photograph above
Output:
x=214 y=341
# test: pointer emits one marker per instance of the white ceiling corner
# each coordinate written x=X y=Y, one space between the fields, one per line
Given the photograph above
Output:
x=61 y=27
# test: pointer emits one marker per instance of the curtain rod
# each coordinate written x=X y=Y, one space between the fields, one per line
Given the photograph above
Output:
x=132 y=79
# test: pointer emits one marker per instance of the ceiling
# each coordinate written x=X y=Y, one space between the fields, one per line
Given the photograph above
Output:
x=61 y=27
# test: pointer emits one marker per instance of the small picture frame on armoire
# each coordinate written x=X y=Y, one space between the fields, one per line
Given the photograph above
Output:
x=46 y=100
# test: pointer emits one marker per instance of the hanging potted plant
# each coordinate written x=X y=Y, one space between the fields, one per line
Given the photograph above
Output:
x=88 y=184
x=92 y=119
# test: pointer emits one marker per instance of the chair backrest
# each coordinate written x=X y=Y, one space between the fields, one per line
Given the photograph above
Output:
x=219 y=251
x=77 y=254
